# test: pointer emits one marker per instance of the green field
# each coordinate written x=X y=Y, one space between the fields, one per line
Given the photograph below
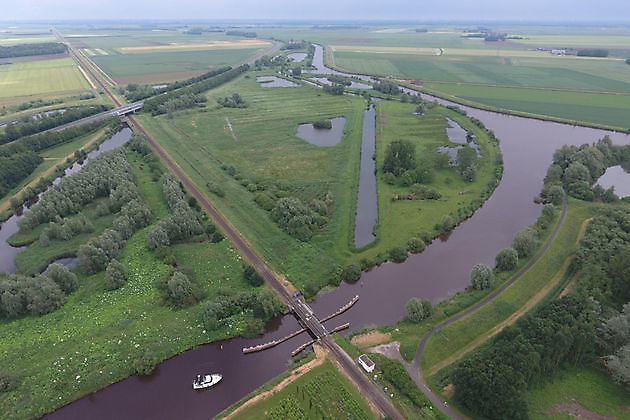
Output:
x=34 y=78
x=321 y=393
x=587 y=392
x=95 y=337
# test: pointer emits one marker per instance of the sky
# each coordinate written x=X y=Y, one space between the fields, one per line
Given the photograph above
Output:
x=321 y=10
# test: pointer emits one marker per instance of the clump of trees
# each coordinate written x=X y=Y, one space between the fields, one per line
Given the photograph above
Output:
x=184 y=101
x=418 y=310
x=592 y=52
x=351 y=273
x=297 y=219
x=388 y=87
x=234 y=101
x=244 y=34
x=65 y=279
x=181 y=224
x=467 y=163
x=481 y=277
x=323 y=124
x=334 y=89
x=116 y=275
x=21 y=295
x=525 y=242
x=66 y=229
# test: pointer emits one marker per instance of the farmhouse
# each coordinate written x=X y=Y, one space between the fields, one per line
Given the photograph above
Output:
x=366 y=363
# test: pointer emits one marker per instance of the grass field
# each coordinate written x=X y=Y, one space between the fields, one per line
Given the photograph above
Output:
x=94 y=338
x=321 y=393
x=58 y=76
x=579 y=392
x=456 y=336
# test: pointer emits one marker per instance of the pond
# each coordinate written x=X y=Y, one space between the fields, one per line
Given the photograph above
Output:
x=353 y=84
x=324 y=137
x=297 y=57
x=618 y=177
x=367 y=199
x=273 y=81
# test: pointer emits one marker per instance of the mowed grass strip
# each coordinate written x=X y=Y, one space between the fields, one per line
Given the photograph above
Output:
x=459 y=334
x=40 y=77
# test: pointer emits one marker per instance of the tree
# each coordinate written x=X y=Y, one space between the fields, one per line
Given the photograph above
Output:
x=577 y=172
x=400 y=156
x=525 y=242
x=211 y=316
x=351 y=273
x=179 y=289
x=415 y=245
x=418 y=310
x=467 y=162
x=267 y=305
x=506 y=259
x=65 y=279
x=115 y=275
x=556 y=195
x=157 y=237
x=481 y=277
x=252 y=277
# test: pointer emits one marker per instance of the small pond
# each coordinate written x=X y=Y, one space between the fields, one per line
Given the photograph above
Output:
x=456 y=134
x=353 y=85
x=617 y=177
x=273 y=81
x=322 y=136
x=297 y=57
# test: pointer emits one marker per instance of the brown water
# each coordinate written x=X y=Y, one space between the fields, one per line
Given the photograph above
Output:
x=441 y=270
x=324 y=137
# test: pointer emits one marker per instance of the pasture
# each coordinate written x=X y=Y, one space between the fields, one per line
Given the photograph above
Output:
x=42 y=77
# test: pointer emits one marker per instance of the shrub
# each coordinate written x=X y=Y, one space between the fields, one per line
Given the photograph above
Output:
x=8 y=381
x=418 y=310
x=506 y=259
x=146 y=363
x=481 y=277
x=179 y=289
x=415 y=245
x=115 y=275
x=398 y=254
x=351 y=273
x=65 y=279
x=157 y=237
x=447 y=223
x=252 y=277
x=216 y=237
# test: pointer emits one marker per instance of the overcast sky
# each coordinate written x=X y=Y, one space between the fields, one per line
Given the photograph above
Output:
x=418 y=10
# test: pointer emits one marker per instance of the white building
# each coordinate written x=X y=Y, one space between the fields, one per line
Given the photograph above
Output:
x=366 y=363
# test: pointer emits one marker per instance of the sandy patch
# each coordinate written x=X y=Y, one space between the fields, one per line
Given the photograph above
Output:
x=390 y=350
x=370 y=339
x=448 y=391
x=320 y=356
x=245 y=43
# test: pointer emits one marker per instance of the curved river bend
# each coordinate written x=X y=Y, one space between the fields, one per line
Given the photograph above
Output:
x=442 y=269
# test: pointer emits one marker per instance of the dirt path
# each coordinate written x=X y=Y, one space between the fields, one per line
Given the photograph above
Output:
x=571 y=284
x=320 y=356
x=229 y=124
x=6 y=204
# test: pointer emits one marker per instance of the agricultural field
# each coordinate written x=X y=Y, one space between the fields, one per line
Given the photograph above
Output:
x=23 y=81
x=320 y=393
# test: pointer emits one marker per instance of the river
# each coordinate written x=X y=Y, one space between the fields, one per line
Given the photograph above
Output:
x=435 y=274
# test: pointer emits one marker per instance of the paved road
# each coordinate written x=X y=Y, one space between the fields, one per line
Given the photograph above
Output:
x=414 y=367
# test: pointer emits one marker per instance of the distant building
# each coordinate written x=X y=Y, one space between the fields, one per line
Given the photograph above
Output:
x=558 y=52
x=366 y=363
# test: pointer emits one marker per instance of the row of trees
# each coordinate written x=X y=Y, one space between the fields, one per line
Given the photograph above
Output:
x=185 y=101
x=135 y=92
x=21 y=295
x=30 y=125
x=153 y=104
x=40 y=48
x=65 y=229
x=15 y=168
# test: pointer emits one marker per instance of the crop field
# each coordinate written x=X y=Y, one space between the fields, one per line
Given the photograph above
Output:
x=35 y=78
x=587 y=392
x=321 y=393
x=94 y=338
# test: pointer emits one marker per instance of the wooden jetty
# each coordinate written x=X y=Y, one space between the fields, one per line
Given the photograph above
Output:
x=272 y=343
x=343 y=309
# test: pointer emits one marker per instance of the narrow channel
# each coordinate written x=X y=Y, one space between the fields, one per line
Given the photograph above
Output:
x=367 y=197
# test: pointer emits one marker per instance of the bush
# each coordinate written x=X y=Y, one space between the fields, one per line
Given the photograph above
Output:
x=179 y=290
x=351 y=273
x=65 y=279
x=146 y=363
x=506 y=259
x=481 y=277
x=415 y=245
x=8 y=381
x=447 y=223
x=252 y=277
x=253 y=327
x=418 y=310
x=398 y=254
x=326 y=124
x=524 y=242
x=115 y=275
x=216 y=237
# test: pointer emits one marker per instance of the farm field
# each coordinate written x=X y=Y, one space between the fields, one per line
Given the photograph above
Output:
x=115 y=327
x=587 y=392
x=320 y=393
x=30 y=80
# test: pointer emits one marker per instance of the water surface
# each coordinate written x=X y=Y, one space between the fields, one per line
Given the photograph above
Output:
x=617 y=177
x=324 y=137
x=273 y=81
x=367 y=200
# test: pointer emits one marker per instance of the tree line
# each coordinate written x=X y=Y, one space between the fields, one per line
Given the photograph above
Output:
x=41 y=48
x=29 y=125
x=135 y=92
x=153 y=104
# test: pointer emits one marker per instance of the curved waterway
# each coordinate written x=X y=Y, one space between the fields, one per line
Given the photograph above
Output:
x=437 y=273
x=10 y=226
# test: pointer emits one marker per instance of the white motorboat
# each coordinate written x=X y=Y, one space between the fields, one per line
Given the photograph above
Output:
x=206 y=381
